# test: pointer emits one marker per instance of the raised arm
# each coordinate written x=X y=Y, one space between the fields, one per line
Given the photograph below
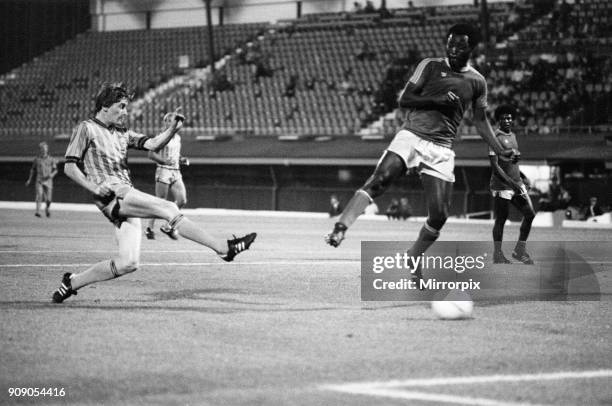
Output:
x=158 y=159
x=158 y=142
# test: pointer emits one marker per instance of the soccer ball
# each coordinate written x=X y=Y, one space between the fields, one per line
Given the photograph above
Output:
x=457 y=305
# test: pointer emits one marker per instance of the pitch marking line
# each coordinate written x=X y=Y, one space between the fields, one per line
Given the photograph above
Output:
x=396 y=388
x=311 y=262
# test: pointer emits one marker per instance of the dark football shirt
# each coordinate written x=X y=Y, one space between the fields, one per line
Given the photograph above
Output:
x=434 y=77
x=507 y=140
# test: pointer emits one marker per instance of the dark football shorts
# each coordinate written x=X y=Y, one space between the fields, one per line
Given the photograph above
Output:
x=110 y=205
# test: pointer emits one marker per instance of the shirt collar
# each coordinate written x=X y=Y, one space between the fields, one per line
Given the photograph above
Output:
x=101 y=124
x=110 y=127
x=464 y=69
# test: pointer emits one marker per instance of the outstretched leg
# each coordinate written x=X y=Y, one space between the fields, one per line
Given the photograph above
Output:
x=388 y=169
x=140 y=204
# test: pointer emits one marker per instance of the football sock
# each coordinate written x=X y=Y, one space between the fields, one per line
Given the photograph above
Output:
x=497 y=245
x=193 y=232
x=102 y=271
x=354 y=208
x=427 y=236
x=520 y=246
x=525 y=228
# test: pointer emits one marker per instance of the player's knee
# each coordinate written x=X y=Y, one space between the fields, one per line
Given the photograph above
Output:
x=171 y=209
x=437 y=216
x=529 y=215
x=127 y=266
x=378 y=183
x=181 y=202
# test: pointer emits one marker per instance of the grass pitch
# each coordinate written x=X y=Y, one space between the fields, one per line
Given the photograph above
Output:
x=282 y=325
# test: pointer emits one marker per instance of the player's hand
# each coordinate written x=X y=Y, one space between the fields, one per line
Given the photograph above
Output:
x=184 y=161
x=178 y=118
x=510 y=154
x=451 y=99
x=103 y=191
x=527 y=183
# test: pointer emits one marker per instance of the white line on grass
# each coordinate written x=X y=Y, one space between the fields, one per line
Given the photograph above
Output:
x=435 y=397
x=396 y=388
x=311 y=262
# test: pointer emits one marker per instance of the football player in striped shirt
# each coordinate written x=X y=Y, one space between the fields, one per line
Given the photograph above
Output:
x=168 y=177
x=509 y=186
x=100 y=145
x=44 y=169
x=435 y=99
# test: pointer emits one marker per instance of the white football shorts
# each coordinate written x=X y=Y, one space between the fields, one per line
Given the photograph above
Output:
x=427 y=157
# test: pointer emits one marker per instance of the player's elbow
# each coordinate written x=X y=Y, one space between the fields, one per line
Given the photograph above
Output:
x=71 y=170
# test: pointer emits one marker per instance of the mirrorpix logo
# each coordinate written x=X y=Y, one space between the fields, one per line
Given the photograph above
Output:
x=409 y=264
x=565 y=270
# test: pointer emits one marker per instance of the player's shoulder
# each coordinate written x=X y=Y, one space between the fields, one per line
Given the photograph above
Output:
x=431 y=61
x=475 y=74
x=85 y=125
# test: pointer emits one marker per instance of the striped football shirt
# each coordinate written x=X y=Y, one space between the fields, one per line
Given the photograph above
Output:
x=43 y=167
x=171 y=151
x=434 y=77
x=103 y=151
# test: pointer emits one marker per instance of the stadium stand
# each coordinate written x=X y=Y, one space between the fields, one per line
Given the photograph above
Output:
x=48 y=93
x=322 y=74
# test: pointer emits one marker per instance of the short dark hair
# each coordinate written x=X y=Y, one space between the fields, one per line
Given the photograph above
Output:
x=465 y=29
x=504 y=109
x=111 y=93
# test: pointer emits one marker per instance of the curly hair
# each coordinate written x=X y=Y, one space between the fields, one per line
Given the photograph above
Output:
x=504 y=109
x=465 y=29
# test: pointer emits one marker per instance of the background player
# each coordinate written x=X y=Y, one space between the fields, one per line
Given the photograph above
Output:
x=436 y=97
x=44 y=169
x=101 y=145
x=168 y=177
x=507 y=186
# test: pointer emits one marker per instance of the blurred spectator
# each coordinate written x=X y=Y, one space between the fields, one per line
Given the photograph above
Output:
x=335 y=208
x=556 y=198
x=346 y=85
x=310 y=83
x=369 y=7
x=383 y=11
x=220 y=82
x=593 y=209
x=405 y=209
x=364 y=52
x=393 y=211
x=357 y=7
x=291 y=85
